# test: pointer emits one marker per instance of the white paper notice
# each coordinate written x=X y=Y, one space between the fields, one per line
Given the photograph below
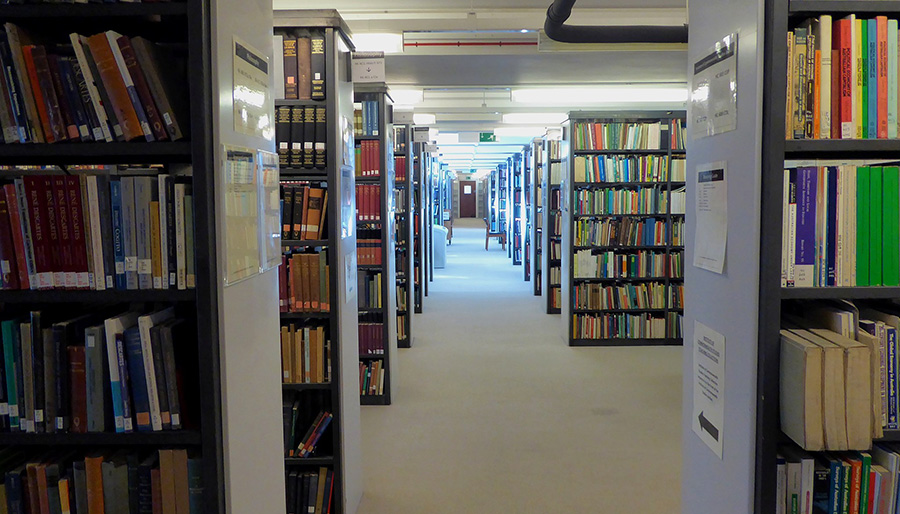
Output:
x=708 y=415
x=714 y=90
x=241 y=214
x=250 y=97
x=711 y=211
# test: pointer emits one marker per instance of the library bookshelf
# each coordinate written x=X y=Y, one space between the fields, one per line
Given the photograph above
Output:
x=622 y=271
x=536 y=193
x=376 y=219
x=337 y=391
x=551 y=262
x=405 y=234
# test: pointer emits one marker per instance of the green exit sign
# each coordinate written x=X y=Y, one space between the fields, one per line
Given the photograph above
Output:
x=487 y=137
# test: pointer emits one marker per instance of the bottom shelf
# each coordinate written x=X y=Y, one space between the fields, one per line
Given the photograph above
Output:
x=404 y=343
x=554 y=310
x=374 y=400
x=626 y=342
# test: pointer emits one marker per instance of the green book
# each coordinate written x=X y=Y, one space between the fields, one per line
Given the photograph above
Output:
x=8 y=332
x=864 y=72
x=890 y=226
x=875 y=216
x=864 y=482
x=862 y=226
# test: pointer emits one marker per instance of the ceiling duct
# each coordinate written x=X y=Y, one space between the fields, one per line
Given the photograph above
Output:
x=560 y=10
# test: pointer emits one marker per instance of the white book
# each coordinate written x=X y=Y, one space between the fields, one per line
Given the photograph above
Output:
x=104 y=132
x=807 y=476
x=792 y=230
x=163 y=232
x=825 y=24
x=96 y=233
x=111 y=37
x=840 y=255
x=891 y=461
x=857 y=73
x=180 y=263
x=114 y=326
x=145 y=323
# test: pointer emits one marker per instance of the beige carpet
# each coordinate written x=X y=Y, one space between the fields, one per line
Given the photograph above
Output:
x=495 y=414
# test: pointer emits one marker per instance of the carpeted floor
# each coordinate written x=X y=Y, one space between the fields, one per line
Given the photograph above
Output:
x=495 y=414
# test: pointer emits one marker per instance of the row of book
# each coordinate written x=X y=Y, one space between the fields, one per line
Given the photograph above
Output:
x=368 y=202
x=650 y=295
x=371 y=338
x=303 y=282
x=401 y=132
x=620 y=326
x=302 y=413
x=368 y=158
x=305 y=355
x=628 y=135
x=369 y=252
x=310 y=492
x=641 y=264
x=841 y=226
x=401 y=297
x=371 y=378
x=303 y=66
x=855 y=347
x=400 y=166
x=555 y=250
x=837 y=482
x=626 y=231
x=555 y=297
x=555 y=175
x=98 y=232
x=400 y=201
x=113 y=88
x=627 y=168
x=401 y=327
x=676 y=296
x=130 y=482
x=300 y=136
x=365 y=118
x=96 y=372
x=303 y=211
x=620 y=200
x=369 y=292
x=842 y=79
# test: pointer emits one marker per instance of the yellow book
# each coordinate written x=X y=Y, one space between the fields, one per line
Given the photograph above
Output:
x=858 y=70
x=155 y=246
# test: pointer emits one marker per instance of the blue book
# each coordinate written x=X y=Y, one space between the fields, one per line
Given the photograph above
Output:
x=115 y=196
x=872 y=73
x=15 y=500
x=195 y=485
x=16 y=100
x=831 y=226
x=124 y=383
x=135 y=358
x=892 y=377
x=805 y=259
x=67 y=76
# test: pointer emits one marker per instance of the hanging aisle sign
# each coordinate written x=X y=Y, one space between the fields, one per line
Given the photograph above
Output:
x=368 y=67
x=714 y=90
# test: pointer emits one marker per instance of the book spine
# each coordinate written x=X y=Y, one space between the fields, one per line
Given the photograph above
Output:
x=139 y=390
x=317 y=66
x=170 y=271
x=26 y=227
x=70 y=115
x=15 y=92
x=144 y=99
x=8 y=118
x=16 y=226
x=181 y=266
x=142 y=198
x=65 y=244
x=104 y=214
x=79 y=248
x=289 y=54
x=125 y=384
x=872 y=79
x=892 y=79
x=847 y=79
x=133 y=98
x=37 y=92
x=155 y=251
x=882 y=76
x=189 y=240
x=90 y=86
x=83 y=95
x=163 y=235
x=114 y=84
x=147 y=60
x=891 y=363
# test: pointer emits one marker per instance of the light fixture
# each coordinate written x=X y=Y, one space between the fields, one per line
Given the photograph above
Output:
x=388 y=43
x=524 y=31
x=448 y=138
x=534 y=118
x=459 y=149
x=530 y=132
x=601 y=95
x=406 y=96
x=421 y=118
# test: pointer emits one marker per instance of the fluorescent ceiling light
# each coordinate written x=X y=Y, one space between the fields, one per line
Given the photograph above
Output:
x=448 y=138
x=601 y=95
x=406 y=96
x=461 y=149
x=421 y=118
x=534 y=118
x=379 y=42
x=520 y=131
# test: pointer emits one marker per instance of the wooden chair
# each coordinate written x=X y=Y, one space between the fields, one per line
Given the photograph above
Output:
x=488 y=235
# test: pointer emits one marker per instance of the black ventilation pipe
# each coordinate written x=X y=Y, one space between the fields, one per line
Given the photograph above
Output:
x=557 y=30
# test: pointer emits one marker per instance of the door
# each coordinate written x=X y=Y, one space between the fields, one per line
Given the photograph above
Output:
x=468 y=199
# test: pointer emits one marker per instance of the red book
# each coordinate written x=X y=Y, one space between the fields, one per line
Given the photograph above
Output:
x=873 y=476
x=366 y=159
x=40 y=231
x=79 y=242
x=15 y=223
x=282 y=285
x=53 y=249
x=378 y=202
x=36 y=91
x=835 y=93
x=9 y=276
x=143 y=90
x=882 y=70
x=376 y=157
x=78 y=388
x=845 y=63
x=64 y=229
